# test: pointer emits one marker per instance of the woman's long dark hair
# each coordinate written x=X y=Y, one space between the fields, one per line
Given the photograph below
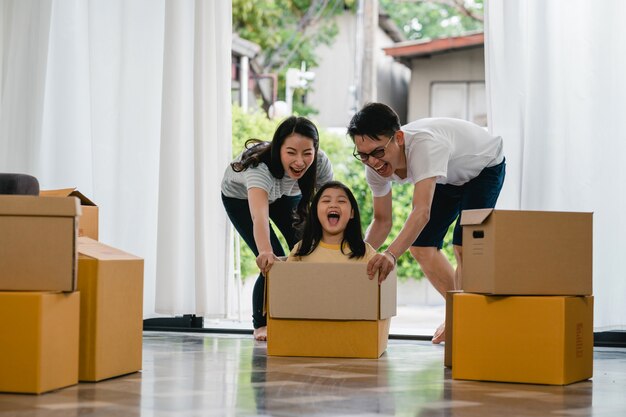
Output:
x=312 y=234
x=258 y=151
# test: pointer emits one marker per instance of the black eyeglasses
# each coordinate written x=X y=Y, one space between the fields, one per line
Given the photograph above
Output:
x=376 y=153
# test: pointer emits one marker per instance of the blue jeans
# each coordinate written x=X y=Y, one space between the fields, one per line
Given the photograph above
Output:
x=281 y=213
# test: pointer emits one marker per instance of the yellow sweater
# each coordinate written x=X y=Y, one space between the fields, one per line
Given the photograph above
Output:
x=330 y=253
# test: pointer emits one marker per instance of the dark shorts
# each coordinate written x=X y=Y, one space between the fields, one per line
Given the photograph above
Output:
x=450 y=200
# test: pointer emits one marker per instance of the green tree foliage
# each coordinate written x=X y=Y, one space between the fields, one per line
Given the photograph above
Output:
x=250 y=125
x=283 y=28
x=288 y=31
x=347 y=170
x=436 y=18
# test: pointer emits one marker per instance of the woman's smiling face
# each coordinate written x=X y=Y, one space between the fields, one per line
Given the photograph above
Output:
x=334 y=211
x=297 y=154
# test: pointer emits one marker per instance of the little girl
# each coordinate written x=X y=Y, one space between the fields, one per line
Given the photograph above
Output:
x=332 y=229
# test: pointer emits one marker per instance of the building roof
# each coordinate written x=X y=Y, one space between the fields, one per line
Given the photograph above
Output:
x=404 y=51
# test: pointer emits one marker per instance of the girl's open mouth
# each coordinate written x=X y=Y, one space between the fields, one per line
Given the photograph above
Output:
x=333 y=218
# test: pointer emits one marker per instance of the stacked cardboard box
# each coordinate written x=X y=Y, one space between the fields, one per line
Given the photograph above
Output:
x=39 y=312
x=328 y=310
x=526 y=310
x=88 y=223
x=111 y=311
x=42 y=345
x=111 y=286
x=38 y=340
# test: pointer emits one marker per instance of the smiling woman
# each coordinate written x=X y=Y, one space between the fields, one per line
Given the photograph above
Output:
x=273 y=180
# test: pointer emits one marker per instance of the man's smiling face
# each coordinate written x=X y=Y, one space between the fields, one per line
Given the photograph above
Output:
x=382 y=155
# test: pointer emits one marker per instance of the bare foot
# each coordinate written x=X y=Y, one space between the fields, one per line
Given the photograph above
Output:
x=260 y=333
x=440 y=334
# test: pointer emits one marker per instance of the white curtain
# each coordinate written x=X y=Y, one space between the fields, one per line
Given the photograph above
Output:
x=195 y=147
x=557 y=95
x=129 y=100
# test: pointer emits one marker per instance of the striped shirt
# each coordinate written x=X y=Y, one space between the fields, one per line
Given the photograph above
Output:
x=237 y=184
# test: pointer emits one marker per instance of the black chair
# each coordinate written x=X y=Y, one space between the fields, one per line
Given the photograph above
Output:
x=23 y=184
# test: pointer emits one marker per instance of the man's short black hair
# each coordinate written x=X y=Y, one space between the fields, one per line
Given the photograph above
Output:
x=374 y=120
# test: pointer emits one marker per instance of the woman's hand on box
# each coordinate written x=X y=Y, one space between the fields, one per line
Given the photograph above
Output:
x=265 y=260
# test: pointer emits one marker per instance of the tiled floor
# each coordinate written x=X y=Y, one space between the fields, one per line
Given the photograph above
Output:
x=225 y=375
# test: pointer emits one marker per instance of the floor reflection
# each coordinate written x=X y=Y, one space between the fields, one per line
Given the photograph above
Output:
x=311 y=386
x=228 y=375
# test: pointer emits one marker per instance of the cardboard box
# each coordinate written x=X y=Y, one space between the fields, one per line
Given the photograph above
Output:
x=327 y=338
x=529 y=339
x=88 y=224
x=328 y=310
x=38 y=243
x=527 y=252
x=38 y=341
x=447 y=358
x=111 y=311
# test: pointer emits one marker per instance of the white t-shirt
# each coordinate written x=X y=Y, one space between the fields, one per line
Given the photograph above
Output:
x=453 y=150
x=237 y=184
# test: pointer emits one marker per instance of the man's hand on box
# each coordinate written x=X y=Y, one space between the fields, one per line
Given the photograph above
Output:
x=381 y=263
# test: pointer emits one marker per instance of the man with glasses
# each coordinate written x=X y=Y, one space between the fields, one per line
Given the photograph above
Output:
x=454 y=165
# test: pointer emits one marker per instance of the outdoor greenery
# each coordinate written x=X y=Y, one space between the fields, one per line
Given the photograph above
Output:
x=290 y=31
x=347 y=170
x=419 y=19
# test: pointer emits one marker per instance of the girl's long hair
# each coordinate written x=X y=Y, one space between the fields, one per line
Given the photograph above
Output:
x=352 y=236
x=258 y=151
